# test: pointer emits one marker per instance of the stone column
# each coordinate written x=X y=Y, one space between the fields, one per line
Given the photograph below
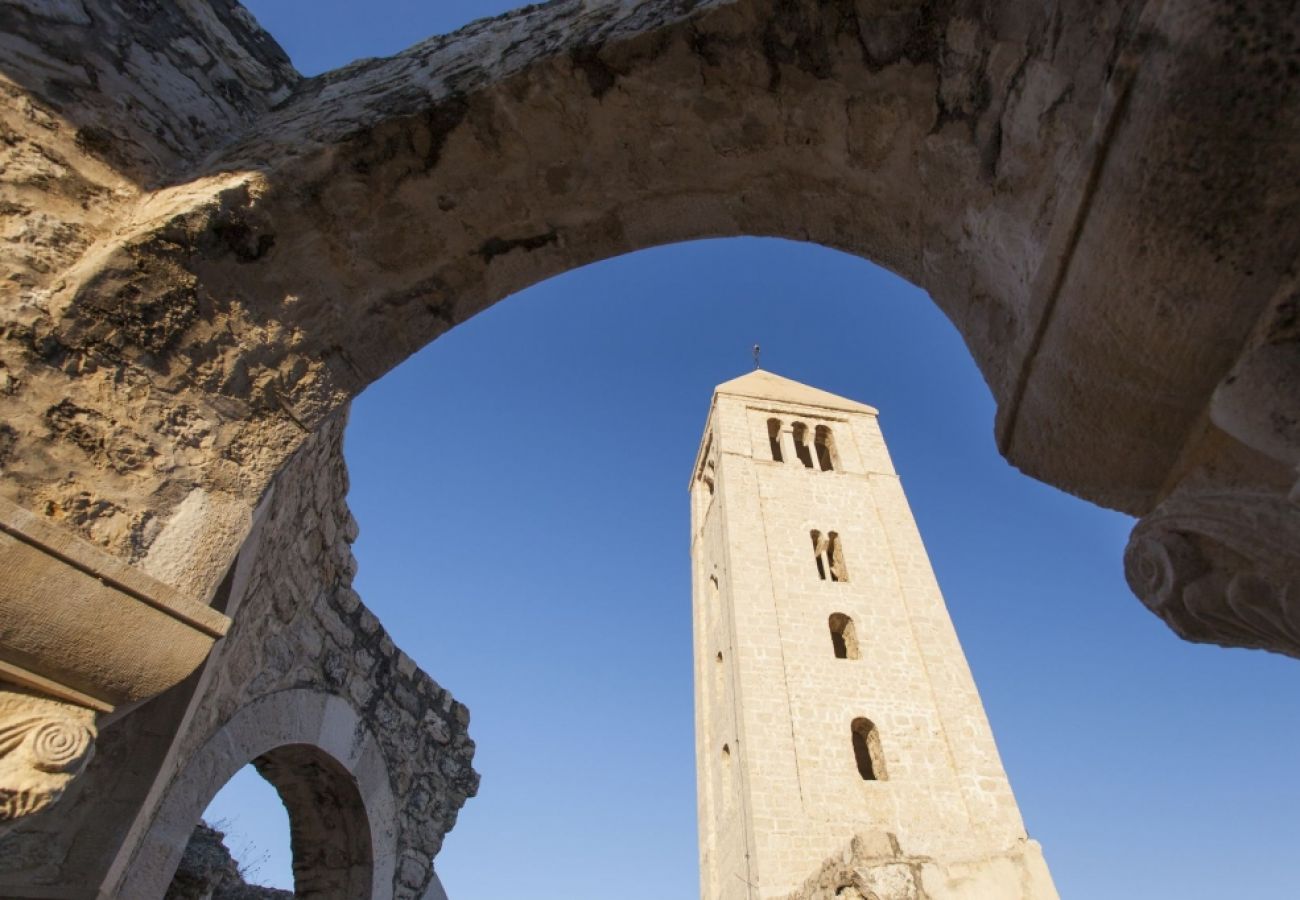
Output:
x=788 y=449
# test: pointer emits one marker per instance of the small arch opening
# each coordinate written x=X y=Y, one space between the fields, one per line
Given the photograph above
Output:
x=802 y=448
x=774 y=439
x=867 y=752
x=257 y=845
x=328 y=830
x=824 y=446
x=844 y=638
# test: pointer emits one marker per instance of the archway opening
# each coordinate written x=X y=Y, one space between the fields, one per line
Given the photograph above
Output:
x=291 y=820
x=242 y=836
x=512 y=553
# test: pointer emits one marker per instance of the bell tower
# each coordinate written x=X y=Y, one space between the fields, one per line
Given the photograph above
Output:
x=840 y=739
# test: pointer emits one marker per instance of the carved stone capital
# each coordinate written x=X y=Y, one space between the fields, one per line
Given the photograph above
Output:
x=1222 y=568
x=44 y=745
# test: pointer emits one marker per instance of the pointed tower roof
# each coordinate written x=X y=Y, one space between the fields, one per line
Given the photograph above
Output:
x=763 y=385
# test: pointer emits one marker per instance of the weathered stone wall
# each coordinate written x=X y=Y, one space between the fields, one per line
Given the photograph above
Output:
x=299 y=631
x=301 y=626
x=102 y=103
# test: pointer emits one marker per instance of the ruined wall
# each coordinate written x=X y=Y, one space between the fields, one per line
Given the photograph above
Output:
x=872 y=866
x=299 y=632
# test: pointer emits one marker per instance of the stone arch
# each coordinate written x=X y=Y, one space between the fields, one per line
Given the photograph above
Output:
x=330 y=773
x=329 y=831
x=1064 y=181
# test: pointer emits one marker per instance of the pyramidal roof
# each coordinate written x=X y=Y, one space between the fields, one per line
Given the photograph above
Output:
x=762 y=385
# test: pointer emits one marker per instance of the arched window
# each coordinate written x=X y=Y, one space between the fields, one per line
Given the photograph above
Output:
x=774 y=439
x=802 y=444
x=844 y=639
x=866 y=750
x=829 y=558
x=825 y=449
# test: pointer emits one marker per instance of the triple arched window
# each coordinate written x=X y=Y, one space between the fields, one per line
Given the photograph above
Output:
x=811 y=446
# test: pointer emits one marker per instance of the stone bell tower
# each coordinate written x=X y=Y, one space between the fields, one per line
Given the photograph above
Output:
x=841 y=746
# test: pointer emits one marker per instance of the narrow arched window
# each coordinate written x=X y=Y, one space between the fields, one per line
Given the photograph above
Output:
x=774 y=439
x=728 y=785
x=803 y=444
x=825 y=449
x=866 y=750
x=844 y=638
x=829 y=557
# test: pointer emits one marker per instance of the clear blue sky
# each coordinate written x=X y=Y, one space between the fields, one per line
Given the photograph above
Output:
x=521 y=489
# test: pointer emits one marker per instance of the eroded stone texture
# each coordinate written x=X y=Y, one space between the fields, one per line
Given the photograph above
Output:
x=365 y=749
x=1099 y=196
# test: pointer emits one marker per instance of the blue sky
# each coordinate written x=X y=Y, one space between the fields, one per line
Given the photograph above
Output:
x=521 y=490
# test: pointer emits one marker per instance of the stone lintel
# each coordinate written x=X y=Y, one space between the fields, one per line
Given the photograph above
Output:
x=81 y=634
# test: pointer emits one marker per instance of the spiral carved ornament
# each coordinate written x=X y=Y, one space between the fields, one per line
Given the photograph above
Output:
x=40 y=753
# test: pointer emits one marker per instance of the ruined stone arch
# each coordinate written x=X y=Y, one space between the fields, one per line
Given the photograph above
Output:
x=201 y=277
x=328 y=770
x=1039 y=170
